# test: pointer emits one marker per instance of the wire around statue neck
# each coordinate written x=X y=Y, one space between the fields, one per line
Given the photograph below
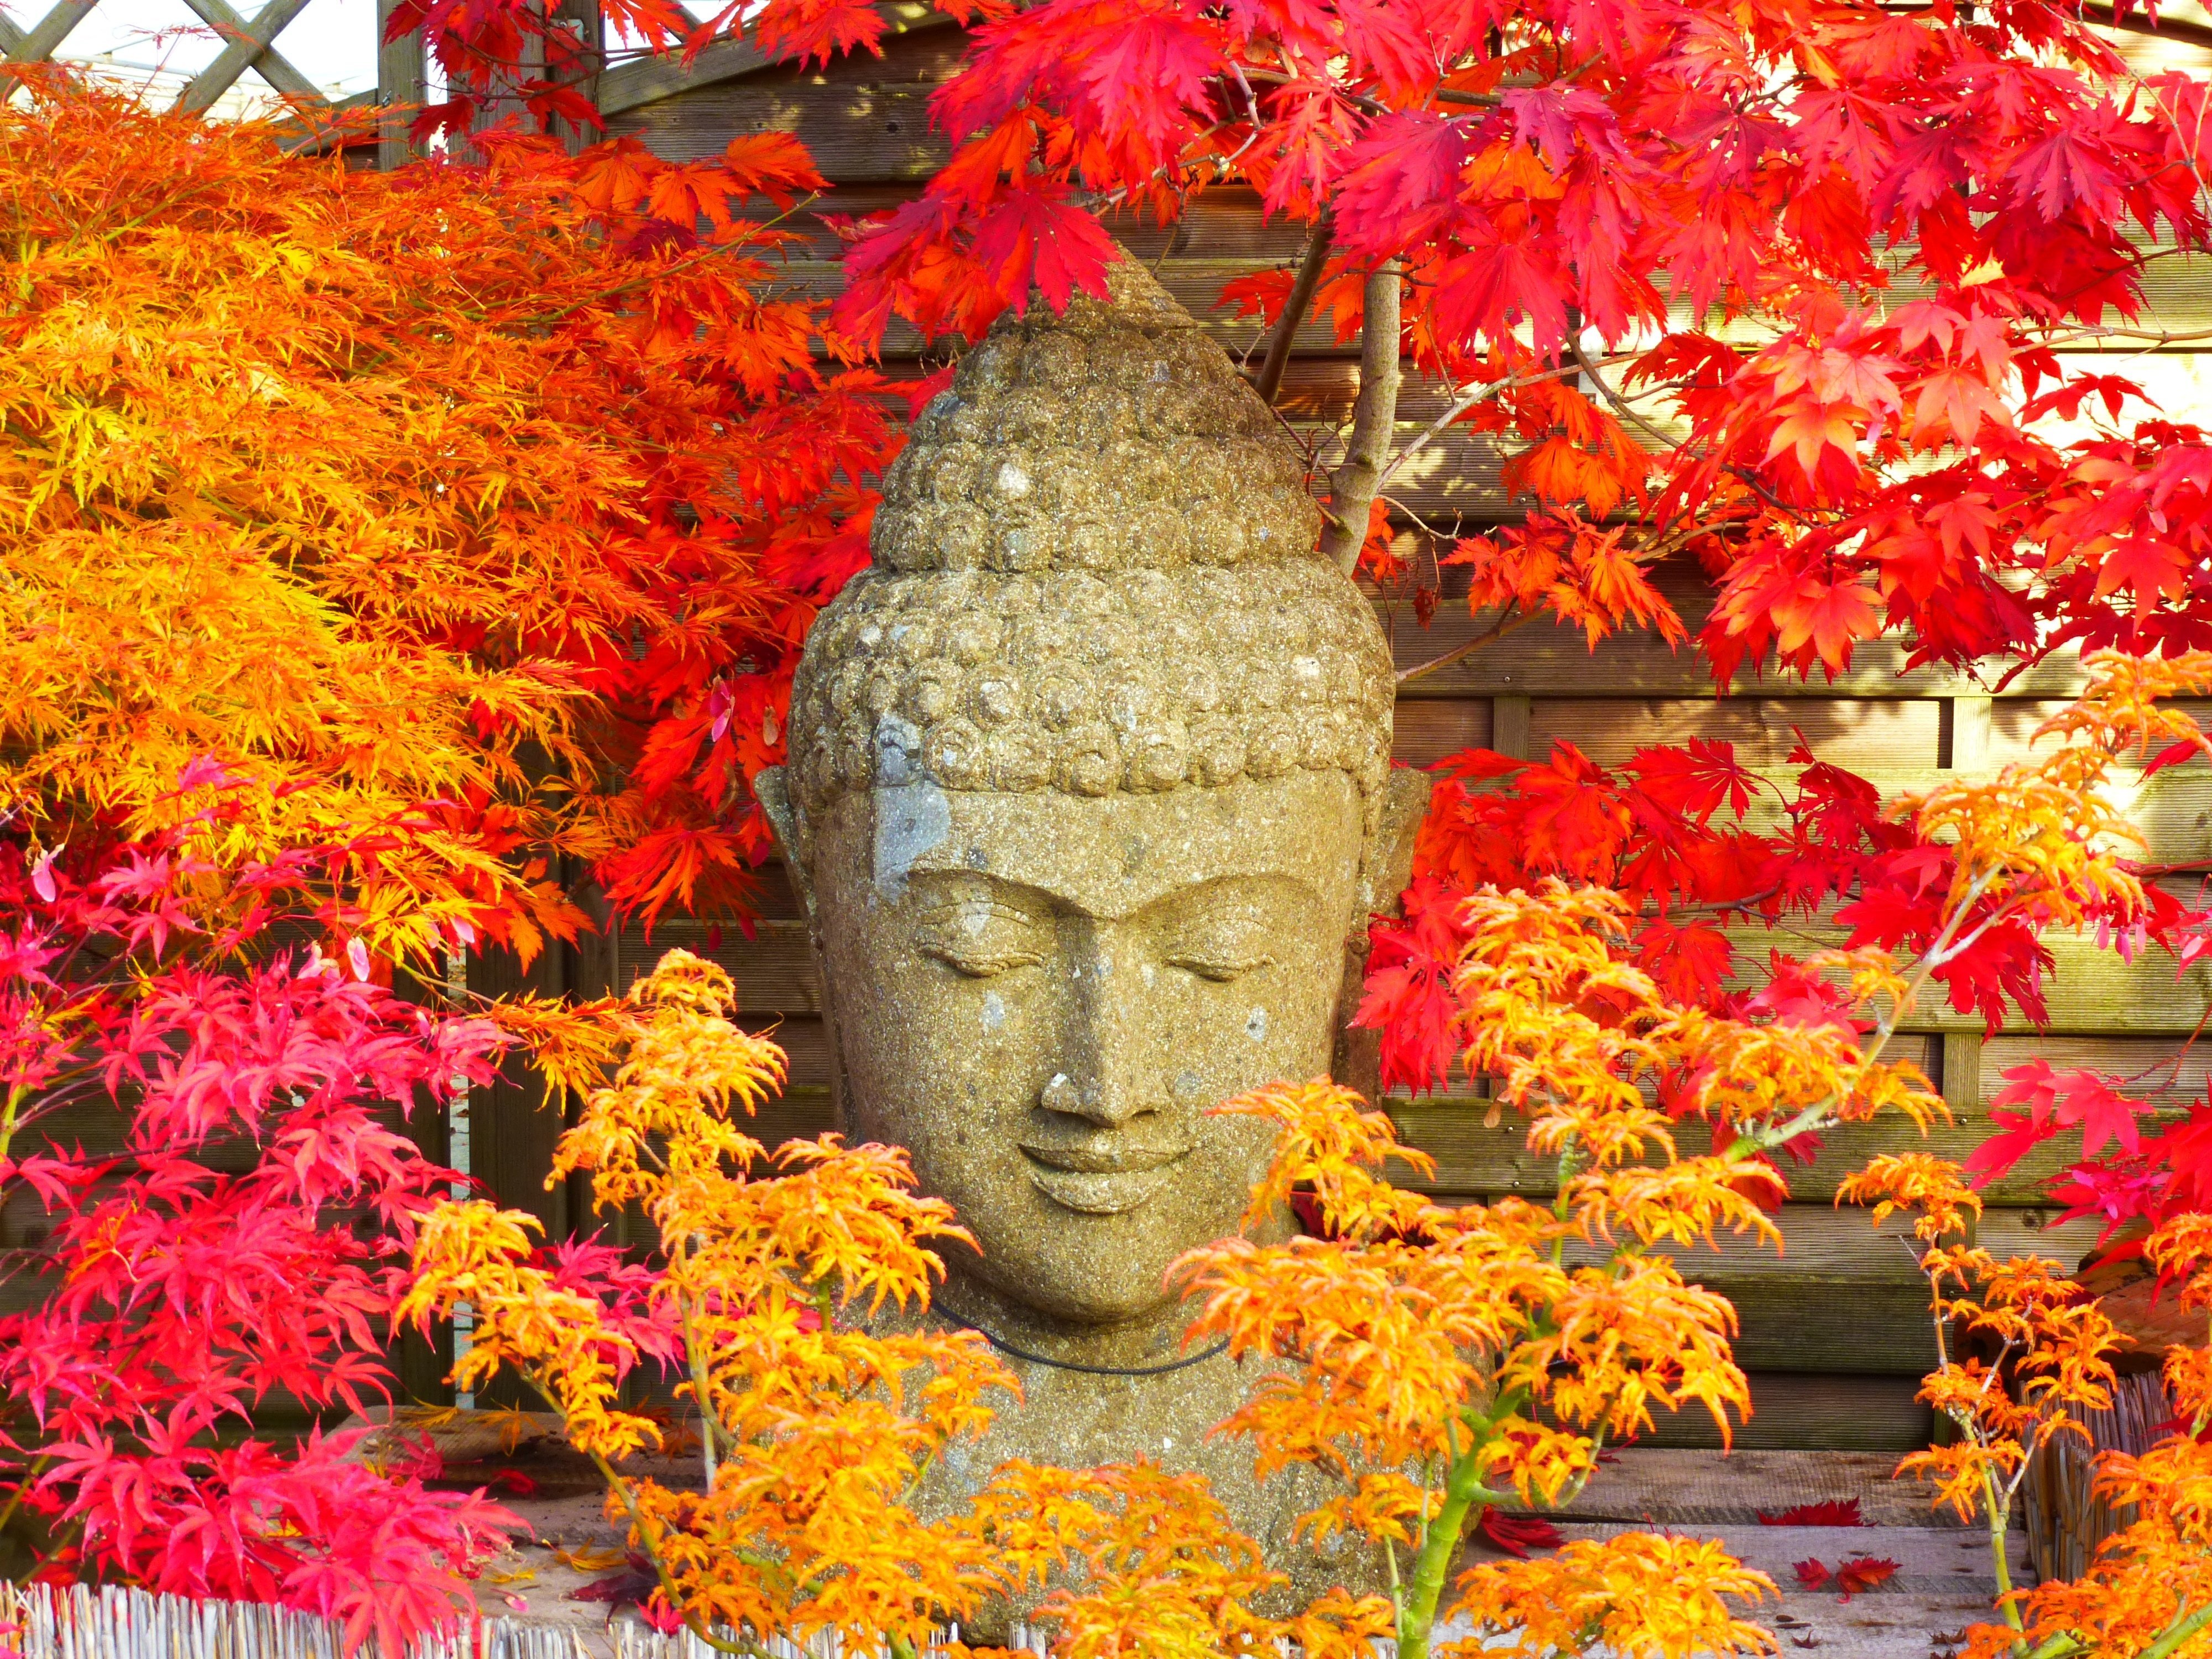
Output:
x=1013 y=1353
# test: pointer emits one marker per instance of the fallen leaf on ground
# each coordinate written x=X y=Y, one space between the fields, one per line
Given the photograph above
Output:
x=1811 y=1574
x=620 y=1589
x=1862 y=1573
x=590 y=1560
x=518 y=1575
x=1829 y=1512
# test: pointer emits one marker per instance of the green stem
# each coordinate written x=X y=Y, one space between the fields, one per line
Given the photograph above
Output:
x=7 y=1118
x=1814 y=1117
x=700 y=1392
x=38 y=1467
x=2179 y=1631
x=1439 y=1544
x=647 y=1536
x=1562 y=1204
x=2000 y=1514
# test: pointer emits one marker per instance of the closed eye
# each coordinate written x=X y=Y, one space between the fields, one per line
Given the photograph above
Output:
x=977 y=961
x=1218 y=969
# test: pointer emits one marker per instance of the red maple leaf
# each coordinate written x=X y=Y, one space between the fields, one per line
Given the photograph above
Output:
x=2054 y=1101
x=1035 y=237
x=1516 y=1534
x=1829 y=614
x=1828 y=1512
x=2148 y=565
x=1811 y=1574
x=1695 y=779
x=1862 y=1573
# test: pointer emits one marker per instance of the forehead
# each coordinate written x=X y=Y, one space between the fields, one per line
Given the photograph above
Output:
x=1113 y=855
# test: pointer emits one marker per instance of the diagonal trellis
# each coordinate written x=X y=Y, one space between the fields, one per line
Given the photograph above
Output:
x=401 y=79
x=247 y=44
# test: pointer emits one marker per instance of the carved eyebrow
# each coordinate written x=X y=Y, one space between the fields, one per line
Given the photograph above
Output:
x=940 y=892
x=1201 y=898
x=946 y=886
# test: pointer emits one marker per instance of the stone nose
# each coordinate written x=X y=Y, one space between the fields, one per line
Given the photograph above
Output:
x=1107 y=1101
x=1113 y=1070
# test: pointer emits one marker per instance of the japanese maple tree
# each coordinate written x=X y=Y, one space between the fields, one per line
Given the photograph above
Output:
x=209 y=1127
x=491 y=544
x=372 y=541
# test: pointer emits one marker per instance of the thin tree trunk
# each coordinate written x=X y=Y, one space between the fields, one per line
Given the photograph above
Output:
x=1295 y=308
x=1373 y=420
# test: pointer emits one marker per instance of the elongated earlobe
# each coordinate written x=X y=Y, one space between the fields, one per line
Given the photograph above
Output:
x=1387 y=864
x=769 y=788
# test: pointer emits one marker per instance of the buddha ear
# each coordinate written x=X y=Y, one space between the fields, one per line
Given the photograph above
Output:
x=1388 y=863
x=1385 y=868
x=771 y=789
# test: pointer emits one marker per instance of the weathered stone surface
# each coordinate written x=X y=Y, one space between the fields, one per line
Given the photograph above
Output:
x=1090 y=800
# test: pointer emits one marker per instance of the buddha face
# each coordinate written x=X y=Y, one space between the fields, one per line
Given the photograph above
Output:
x=1040 y=995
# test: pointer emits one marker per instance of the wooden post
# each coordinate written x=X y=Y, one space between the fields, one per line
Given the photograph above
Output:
x=581 y=18
x=422 y=1364
x=512 y=1127
x=1961 y=1080
x=401 y=78
x=1509 y=727
x=1965 y=734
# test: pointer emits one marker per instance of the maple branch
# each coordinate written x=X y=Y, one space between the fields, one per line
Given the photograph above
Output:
x=1620 y=403
x=1373 y=418
x=1464 y=401
x=1295 y=308
x=2177 y=1632
x=1506 y=624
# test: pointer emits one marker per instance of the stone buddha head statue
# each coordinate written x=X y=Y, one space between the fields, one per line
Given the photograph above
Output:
x=1090 y=800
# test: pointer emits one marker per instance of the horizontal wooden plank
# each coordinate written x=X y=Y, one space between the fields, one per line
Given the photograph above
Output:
x=1835 y=1323
x=775 y=969
x=1813 y=1322
x=2148 y=1067
x=1817 y=1240
x=1226 y=224
x=800 y=1113
x=1795 y=1412
x=855 y=132
x=1471 y=1159
x=631 y=87
x=805 y=1044
x=2089 y=991
x=1543 y=658
x=2171 y=810
x=2162 y=1073
x=894 y=112
x=2014 y=722
x=2092 y=990
x=1861 y=734
x=1424 y=733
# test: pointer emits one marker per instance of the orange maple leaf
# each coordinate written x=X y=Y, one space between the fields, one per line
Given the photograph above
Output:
x=1831 y=616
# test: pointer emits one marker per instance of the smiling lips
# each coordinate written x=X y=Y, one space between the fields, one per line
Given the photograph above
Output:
x=1100 y=1180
